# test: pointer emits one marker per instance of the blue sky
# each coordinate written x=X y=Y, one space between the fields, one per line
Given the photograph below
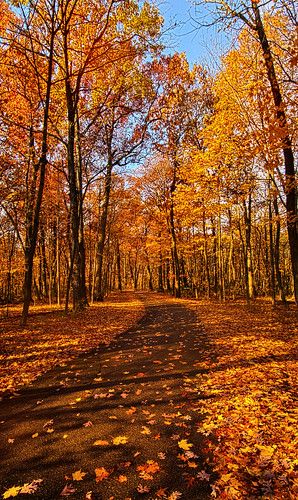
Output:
x=204 y=45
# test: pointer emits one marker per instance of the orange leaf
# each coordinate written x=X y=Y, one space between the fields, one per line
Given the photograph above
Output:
x=101 y=473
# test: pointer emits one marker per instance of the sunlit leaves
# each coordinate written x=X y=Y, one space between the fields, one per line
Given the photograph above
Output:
x=120 y=440
x=27 y=488
x=184 y=445
x=12 y=492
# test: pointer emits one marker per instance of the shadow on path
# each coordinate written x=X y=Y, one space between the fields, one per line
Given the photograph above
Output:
x=134 y=398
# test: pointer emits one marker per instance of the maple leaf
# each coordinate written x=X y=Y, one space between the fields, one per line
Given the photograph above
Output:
x=12 y=492
x=143 y=489
x=150 y=467
x=161 y=492
x=67 y=490
x=122 y=479
x=184 y=445
x=30 y=488
x=101 y=473
x=120 y=440
x=145 y=430
x=78 y=475
x=175 y=495
x=203 y=476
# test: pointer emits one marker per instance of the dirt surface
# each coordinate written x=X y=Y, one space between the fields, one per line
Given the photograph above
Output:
x=119 y=422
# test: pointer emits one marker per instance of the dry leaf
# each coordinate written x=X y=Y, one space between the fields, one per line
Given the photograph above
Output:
x=120 y=440
x=101 y=473
x=78 y=475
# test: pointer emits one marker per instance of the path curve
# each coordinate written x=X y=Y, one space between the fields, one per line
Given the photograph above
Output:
x=130 y=410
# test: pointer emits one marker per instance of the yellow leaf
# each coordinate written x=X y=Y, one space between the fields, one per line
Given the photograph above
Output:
x=266 y=451
x=226 y=478
x=78 y=475
x=184 y=445
x=120 y=440
x=145 y=430
x=12 y=492
x=35 y=435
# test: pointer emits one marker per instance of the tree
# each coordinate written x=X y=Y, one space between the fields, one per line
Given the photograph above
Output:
x=26 y=48
x=251 y=14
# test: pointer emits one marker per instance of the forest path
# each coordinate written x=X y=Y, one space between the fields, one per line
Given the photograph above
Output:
x=126 y=415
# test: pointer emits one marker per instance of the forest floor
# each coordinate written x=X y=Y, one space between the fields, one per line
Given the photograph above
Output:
x=193 y=400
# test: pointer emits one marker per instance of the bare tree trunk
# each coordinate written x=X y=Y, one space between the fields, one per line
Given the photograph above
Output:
x=277 y=252
x=175 y=257
x=206 y=259
x=271 y=248
x=36 y=191
x=248 y=250
x=103 y=220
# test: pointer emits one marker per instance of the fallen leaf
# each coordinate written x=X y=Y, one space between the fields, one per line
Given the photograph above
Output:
x=184 y=445
x=145 y=430
x=203 y=476
x=122 y=479
x=78 y=475
x=143 y=489
x=120 y=440
x=175 y=495
x=101 y=473
x=100 y=442
x=131 y=410
x=12 y=492
x=67 y=490
x=161 y=492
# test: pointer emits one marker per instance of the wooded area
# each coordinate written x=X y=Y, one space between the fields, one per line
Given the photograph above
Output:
x=123 y=167
x=136 y=183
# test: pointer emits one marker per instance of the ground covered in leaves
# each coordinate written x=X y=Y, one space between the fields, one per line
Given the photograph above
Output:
x=195 y=401
x=52 y=337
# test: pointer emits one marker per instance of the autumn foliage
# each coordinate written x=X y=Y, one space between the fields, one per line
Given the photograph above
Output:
x=124 y=168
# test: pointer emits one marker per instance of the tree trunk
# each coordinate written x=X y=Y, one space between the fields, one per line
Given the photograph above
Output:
x=290 y=181
x=206 y=259
x=271 y=248
x=176 y=266
x=104 y=215
x=35 y=199
x=277 y=252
